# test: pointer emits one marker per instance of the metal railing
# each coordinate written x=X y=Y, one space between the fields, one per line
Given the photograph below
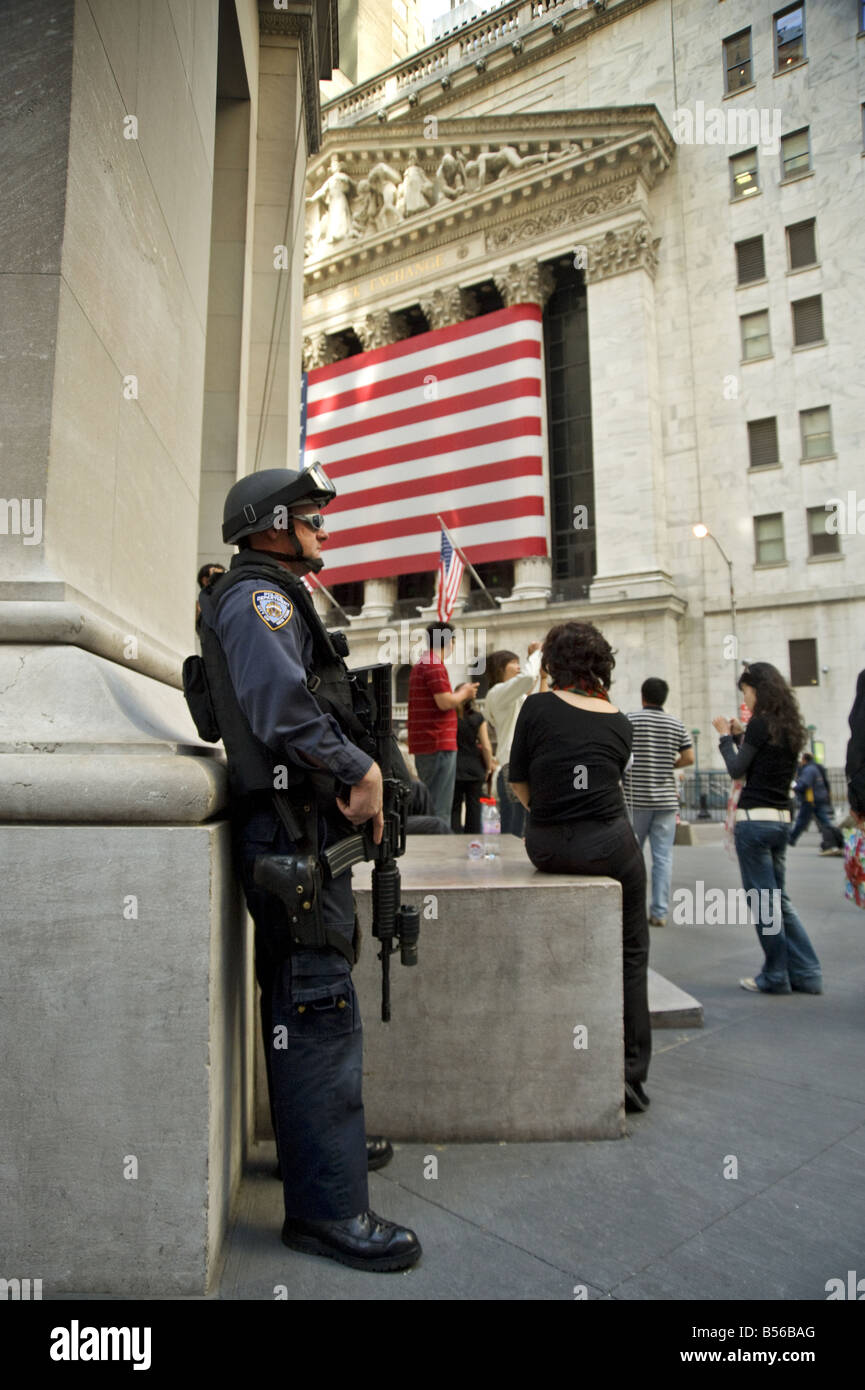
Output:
x=464 y=44
x=704 y=795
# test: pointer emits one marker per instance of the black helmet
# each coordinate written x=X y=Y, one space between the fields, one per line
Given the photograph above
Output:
x=251 y=505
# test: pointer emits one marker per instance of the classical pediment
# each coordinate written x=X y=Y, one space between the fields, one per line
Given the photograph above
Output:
x=374 y=196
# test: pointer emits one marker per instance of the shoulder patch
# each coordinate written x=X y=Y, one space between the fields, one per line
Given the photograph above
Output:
x=272 y=608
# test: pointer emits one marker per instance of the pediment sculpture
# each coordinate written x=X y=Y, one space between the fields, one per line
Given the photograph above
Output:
x=344 y=209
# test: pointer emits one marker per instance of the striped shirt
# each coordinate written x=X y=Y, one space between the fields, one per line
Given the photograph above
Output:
x=659 y=738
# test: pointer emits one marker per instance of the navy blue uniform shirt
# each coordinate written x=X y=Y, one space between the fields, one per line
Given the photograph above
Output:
x=268 y=648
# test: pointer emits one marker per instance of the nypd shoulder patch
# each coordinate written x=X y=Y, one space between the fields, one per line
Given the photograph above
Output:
x=272 y=608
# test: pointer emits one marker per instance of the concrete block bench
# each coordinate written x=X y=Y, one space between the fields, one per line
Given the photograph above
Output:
x=481 y=1045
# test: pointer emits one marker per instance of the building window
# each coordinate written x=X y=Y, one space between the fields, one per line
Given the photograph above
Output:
x=755 y=335
x=795 y=154
x=401 y=10
x=802 y=244
x=569 y=425
x=821 y=541
x=743 y=174
x=789 y=37
x=737 y=61
x=750 y=261
x=769 y=538
x=803 y=662
x=763 y=442
x=400 y=41
x=816 y=430
x=808 y=320
x=862 y=16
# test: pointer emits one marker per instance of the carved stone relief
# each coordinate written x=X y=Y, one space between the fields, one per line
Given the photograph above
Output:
x=627 y=248
x=446 y=306
x=541 y=224
x=524 y=282
x=319 y=350
x=343 y=209
x=380 y=327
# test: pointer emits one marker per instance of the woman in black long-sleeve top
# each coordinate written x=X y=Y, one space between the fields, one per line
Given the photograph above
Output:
x=569 y=750
x=766 y=757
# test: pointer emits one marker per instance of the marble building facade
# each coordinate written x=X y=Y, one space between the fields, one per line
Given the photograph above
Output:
x=549 y=135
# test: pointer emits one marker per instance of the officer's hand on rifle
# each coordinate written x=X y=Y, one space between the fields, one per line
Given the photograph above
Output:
x=366 y=802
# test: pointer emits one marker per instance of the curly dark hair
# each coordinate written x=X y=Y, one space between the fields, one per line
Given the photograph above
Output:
x=776 y=703
x=576 y=652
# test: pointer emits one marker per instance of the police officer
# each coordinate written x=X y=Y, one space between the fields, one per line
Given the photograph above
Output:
x=265 y=651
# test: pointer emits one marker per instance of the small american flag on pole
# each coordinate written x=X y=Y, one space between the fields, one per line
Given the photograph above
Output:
x=450 y=573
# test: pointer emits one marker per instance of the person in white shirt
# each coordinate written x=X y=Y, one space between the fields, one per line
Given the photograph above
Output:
x=510 y=683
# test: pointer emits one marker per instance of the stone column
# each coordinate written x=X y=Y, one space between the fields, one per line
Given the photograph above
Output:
x=448 y=306
x=626 y=417
x=524 y=282
x=528 y=282
x=379 y=327
x=320 y=349
x=379 y=597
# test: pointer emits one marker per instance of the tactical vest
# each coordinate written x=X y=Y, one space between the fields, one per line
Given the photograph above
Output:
x=215 y=707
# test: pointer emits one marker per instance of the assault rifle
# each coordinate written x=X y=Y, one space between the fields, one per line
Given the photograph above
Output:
x=394 y=925
x=298 y=879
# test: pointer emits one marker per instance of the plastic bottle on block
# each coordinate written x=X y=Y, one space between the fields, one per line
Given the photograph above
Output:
x=491 y=827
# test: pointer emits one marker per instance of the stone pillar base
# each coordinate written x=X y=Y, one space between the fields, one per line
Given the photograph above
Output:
x=379 y=597
x=125 y=979
x=532 y=582
x=618 y=588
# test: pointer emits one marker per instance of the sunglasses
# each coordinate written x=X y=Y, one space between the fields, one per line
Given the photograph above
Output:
x=314 y=519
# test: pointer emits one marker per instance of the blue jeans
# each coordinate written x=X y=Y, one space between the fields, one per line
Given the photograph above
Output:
x=660 y=826
x=791 y=961
x=807 y=809
x=511 y=813
x=438 y=772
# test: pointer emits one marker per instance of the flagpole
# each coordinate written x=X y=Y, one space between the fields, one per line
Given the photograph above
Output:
x=468 y=564
x=329 y=595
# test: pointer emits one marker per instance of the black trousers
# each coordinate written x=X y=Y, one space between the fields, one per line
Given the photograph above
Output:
x=471 y=791
x=609 y=848
x=313 y=1042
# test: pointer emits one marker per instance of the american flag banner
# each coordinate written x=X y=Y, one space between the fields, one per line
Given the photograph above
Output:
x=446 y=424
x=309 y=582
x=450 y=573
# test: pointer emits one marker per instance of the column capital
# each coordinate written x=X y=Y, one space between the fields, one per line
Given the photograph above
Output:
x=615 y=252
x=319 y=350
x=524 y=282
x=444 y=307
x=380 y=327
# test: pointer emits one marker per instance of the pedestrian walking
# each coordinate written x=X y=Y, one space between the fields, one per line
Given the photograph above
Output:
x=661 y=745
x=765 y=755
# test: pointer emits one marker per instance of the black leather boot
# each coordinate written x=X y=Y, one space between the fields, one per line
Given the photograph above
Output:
x=363 y=1242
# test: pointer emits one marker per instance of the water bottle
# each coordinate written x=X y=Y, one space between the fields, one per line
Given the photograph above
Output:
x=491 y=826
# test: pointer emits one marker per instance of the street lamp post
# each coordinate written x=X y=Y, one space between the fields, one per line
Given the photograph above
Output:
x=701 y=532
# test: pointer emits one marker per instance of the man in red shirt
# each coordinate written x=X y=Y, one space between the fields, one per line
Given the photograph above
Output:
x=432 y=719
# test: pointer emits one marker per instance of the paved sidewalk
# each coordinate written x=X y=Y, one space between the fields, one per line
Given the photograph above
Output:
x=776 y=1083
